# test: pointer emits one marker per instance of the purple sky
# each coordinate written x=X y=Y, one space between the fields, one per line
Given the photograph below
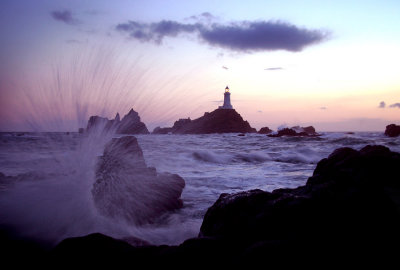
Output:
x=330 y=65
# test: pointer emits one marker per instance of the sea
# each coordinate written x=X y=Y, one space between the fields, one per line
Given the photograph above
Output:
x=46 y=178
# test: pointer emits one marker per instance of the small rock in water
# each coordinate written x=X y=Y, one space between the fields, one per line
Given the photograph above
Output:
x=392 y=130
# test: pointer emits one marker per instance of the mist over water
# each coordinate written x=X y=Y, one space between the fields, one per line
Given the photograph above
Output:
x=46 y=189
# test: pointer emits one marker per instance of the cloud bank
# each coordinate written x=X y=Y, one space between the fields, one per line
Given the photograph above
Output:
x=244 y=36
x=395 y=105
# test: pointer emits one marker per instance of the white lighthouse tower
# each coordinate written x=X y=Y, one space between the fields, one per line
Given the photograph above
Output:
x=227 y=100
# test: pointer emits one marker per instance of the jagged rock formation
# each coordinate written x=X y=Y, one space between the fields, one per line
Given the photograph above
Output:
x=125 y=188
x=130 y=124
x=265 y=130
x=296 y=131
x=218 y=121
x=347 y=213
x=392 y=130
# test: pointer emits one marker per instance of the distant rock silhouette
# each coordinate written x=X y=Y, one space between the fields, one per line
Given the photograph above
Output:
x=217 y=121
x=98 y=123
x=130 y=124
x=125 y=188
x=265 y=130
x=392 y=130
x=296 y=131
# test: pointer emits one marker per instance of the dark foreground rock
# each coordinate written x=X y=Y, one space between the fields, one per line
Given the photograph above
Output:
x=347 y=213
x=296 y=131
x=392 y=130
x=126 y=188
x=130 y=124
x=217 y=121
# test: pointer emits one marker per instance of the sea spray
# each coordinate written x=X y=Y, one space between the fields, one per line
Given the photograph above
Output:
x=49 y=174
x=57 y=203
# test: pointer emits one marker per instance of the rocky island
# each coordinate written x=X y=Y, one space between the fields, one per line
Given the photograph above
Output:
x=218 y=121
x=225 y=119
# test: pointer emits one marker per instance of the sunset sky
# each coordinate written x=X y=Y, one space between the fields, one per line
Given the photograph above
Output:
x=330 y=64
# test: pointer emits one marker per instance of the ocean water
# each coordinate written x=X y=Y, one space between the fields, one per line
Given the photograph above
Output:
x=45 y=193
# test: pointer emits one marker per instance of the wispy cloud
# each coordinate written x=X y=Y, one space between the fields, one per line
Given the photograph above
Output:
x=205 y=16
x=64 y=16
x=273 y=68
x=73 y=41
x=243 y=36
x=395 y=105
x=382 y=104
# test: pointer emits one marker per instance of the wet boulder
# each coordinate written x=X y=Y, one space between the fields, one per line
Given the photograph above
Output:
x=125 y=188
x=352 y=197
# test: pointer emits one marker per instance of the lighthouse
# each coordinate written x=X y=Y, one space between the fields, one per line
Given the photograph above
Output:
x=227 y=100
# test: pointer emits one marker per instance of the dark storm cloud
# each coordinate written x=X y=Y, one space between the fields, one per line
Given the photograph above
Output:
x=64 y=16
x=243 y=36
x=395 y=105
x=382 y=104
x=261 y=36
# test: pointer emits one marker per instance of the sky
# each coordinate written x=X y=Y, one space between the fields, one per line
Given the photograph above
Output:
x=329 y=64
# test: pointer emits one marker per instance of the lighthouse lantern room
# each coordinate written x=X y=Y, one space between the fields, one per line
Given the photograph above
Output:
x=227 y=100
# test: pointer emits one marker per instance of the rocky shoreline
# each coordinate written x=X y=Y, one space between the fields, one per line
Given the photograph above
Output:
x=349 y=209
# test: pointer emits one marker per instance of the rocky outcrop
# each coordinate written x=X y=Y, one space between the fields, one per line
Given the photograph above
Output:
x=348 y=212
x=125 y=188
x=218 y=121
x=100 y=124
x=296 y=131
x=265 y=130
x=392 y=130
x=130 y=124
